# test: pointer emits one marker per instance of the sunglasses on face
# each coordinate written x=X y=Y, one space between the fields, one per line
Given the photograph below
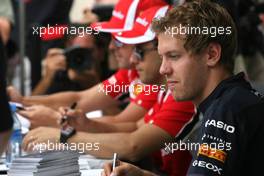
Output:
x=139 y=52
x=117 y=43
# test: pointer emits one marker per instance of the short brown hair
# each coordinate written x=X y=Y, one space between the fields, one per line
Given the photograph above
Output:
x=202 y=13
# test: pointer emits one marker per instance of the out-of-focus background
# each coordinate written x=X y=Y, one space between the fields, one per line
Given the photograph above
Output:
x=33 y=69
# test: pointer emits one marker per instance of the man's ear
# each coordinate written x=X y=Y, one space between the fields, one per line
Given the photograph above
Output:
x=214 y=54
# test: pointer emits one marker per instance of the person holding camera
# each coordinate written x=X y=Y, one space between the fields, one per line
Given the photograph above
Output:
x=71 y=70
x=96 y=97
x=53 y=62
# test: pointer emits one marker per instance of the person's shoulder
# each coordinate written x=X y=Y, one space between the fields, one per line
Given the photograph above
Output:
x=121 y=71
x=170 y=103
x=237 y=102
x=126 y=74
x=238 y=98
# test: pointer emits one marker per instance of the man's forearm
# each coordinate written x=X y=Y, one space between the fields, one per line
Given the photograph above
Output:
x=132 y=113
x=87 y=100
x=42 y=86
x=53 y=101
x=4 y=136
x=93 y=126
x=107 y=144
x=147 y=173
x=130 y=146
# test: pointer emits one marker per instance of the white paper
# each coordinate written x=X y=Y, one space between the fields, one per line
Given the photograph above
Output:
x=92 y=172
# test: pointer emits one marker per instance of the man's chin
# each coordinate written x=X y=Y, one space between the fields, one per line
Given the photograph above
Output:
x=124 y=66
x=178 y=97
x=145 y=81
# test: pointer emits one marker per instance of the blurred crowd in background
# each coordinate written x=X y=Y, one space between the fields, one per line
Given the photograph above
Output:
x=54 y=62
x=42 y=70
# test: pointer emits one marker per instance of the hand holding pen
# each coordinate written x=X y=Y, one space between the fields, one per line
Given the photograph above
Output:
x=123 y=168
x=115 y=161
x=64 y=119
x=75 y=118
x=110 y=167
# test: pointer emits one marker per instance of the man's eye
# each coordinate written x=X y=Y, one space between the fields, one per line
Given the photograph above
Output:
x=174 y=56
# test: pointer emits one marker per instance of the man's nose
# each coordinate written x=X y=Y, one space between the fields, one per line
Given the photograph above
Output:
x=165 y=67
x=133 y=59
x=112 y=45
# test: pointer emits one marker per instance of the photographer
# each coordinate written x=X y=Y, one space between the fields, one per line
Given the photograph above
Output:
x=76 y=71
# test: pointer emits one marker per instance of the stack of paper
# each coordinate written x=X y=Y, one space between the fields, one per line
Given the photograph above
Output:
x=87 y=162
x=51 y=163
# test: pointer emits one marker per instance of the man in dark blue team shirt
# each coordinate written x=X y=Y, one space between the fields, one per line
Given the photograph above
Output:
x=199 y=67
x=197 y=44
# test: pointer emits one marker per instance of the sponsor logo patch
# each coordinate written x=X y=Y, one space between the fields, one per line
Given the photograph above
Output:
x=208 y=166
x=220 y=125
x=219 y=155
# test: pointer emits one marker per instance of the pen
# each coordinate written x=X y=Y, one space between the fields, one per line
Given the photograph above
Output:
x=73 y=106
x=114 y=161
x=64 y=118
x=20 y=108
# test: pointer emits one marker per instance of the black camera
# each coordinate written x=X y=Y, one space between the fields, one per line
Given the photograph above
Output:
x=78 y=58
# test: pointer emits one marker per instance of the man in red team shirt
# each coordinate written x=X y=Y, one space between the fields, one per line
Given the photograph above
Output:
x=102 y=95
x=161 y=124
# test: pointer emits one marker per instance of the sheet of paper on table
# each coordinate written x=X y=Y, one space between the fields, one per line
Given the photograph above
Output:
x=92 y=172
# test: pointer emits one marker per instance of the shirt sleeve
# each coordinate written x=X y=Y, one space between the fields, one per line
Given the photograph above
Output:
x=231 y=143
x=146 y=99
x=218 y=146
x=117 y=84
x=173 y=115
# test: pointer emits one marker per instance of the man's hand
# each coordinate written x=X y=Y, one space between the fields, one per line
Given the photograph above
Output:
x=41 y=136
x=5 y=29
x=76 y=118
x=54 y=61
x=261 y=17
x=40 y=115
x=124 y=169
x=14 y=94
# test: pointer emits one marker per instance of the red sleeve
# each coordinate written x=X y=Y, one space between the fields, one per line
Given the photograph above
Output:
x=146 y=99
x=118 y=83
x=173 y=115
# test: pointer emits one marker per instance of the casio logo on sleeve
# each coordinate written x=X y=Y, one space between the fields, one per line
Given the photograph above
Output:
x=220 y=125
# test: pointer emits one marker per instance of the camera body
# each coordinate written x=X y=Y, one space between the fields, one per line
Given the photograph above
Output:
x=78 y=58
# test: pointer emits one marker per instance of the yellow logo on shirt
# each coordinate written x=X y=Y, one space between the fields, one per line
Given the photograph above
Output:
x=137 y=89
x=205 y=150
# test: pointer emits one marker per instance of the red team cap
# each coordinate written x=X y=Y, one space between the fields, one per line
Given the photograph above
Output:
x=124 y=14
x=141 y=31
